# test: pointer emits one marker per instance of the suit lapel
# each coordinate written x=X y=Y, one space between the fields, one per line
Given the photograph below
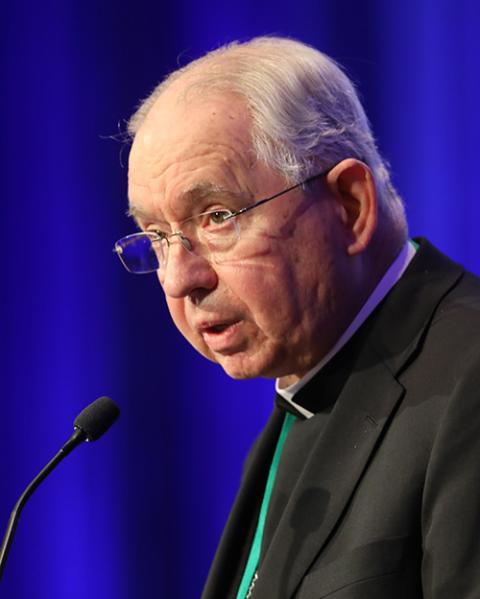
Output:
x=328 y=480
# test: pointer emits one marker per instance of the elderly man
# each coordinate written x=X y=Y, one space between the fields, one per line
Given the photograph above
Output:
x=281 y=246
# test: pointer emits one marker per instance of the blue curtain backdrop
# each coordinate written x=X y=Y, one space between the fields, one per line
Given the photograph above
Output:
x=139 y=513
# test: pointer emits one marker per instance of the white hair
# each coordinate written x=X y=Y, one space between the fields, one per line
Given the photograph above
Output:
x=306 y=115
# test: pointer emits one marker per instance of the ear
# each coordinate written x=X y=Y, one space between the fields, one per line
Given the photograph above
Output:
x=352 y=183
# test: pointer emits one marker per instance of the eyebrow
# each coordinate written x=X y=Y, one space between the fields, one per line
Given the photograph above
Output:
x=202 y=190
x=193 y=194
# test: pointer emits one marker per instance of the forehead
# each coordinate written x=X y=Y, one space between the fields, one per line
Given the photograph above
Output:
x=182 y=129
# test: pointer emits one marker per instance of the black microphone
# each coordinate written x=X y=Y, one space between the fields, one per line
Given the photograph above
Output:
x=89 y=425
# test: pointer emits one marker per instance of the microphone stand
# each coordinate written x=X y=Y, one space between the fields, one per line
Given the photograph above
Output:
x=75 y=440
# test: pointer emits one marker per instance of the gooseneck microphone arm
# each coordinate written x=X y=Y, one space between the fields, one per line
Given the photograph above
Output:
x=77 y=437
x=89 y=425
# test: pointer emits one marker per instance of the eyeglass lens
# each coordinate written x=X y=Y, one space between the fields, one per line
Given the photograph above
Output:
x=137 y=254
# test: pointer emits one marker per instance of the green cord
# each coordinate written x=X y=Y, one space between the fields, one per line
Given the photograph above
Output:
x=254 y=556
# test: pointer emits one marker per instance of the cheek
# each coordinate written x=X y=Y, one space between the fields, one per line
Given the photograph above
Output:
x=267 y=292
x=290 y=295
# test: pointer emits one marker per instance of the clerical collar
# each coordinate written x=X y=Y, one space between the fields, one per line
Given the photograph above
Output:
x=393 y=274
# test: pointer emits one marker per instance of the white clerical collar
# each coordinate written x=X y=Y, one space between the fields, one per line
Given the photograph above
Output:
x=393 y=274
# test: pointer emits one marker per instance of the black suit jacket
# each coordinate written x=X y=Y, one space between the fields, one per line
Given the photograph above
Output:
x=384 y=502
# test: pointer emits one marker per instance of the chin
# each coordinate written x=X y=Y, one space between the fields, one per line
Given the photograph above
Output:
x=240 y=375
x=238 y=366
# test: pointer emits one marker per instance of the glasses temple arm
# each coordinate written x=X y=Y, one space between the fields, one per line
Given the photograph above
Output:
x=280 y=193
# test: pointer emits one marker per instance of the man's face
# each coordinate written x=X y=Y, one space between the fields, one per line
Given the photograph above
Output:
x=267 y=308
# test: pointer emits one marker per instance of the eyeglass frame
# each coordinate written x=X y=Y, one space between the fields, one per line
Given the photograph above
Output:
x=276 y=195
x=187 y=244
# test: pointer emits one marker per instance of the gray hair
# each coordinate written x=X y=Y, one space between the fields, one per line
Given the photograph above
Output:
x=306 y=115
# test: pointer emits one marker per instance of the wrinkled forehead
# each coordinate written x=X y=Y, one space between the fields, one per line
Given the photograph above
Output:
x=181 y=115
x=191 y=143
x=189 y=132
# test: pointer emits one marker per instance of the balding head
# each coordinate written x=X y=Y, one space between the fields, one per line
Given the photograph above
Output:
x=306 y=115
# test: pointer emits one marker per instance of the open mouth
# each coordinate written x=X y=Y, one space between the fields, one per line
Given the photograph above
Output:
x=218 y=328
x=222 y=336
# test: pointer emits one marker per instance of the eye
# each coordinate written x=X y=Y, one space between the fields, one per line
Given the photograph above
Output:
x=217 y=217
x=216 y=228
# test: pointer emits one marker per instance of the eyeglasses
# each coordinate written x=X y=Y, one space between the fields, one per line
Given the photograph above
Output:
x=213 y=235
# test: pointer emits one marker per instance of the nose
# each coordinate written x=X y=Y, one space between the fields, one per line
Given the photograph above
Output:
x=186 y=273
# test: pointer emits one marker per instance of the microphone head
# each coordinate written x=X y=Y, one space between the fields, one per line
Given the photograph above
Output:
x=97 y=418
